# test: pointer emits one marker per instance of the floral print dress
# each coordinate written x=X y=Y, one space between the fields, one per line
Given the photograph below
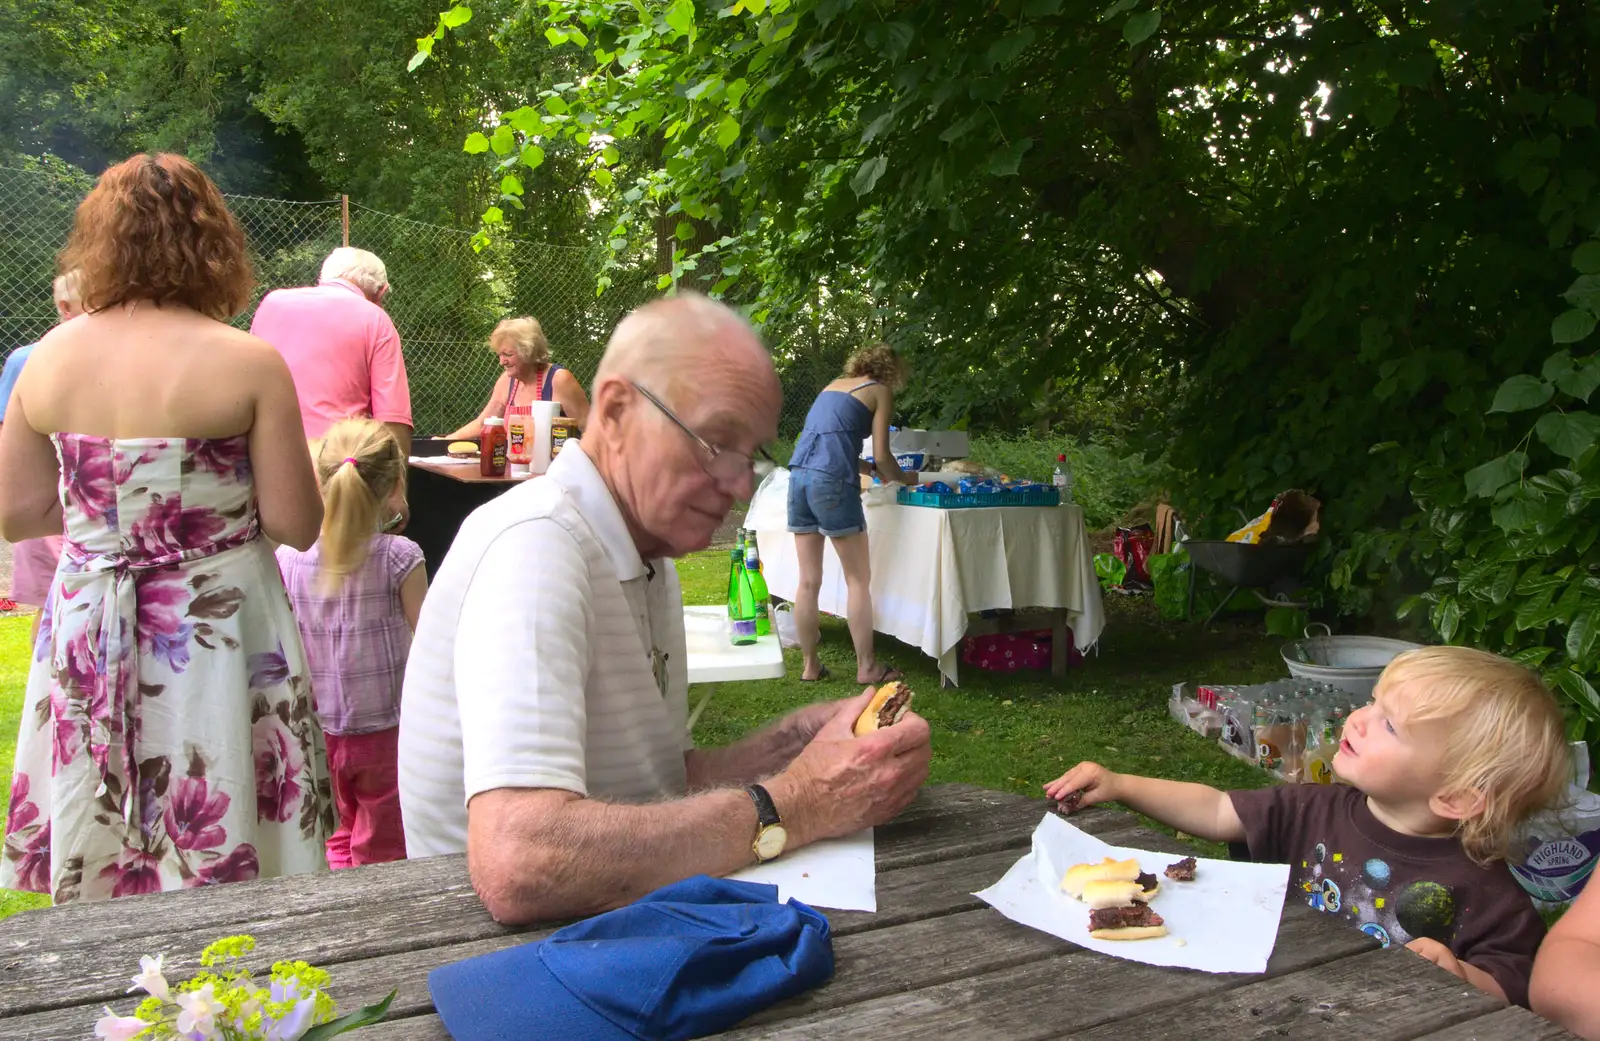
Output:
x=168 y=738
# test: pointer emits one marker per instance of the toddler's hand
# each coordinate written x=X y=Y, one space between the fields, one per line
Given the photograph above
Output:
x=1439 y=954
x=1095 y=782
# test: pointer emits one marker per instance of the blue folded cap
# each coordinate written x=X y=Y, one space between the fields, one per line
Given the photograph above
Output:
x=688 y=960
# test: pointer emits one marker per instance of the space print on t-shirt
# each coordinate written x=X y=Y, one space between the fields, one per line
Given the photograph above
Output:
x=1391 y=909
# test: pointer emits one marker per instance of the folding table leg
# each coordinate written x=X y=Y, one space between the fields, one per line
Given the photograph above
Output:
x=694 y=716
x=1058 y=643
x=1218 y=609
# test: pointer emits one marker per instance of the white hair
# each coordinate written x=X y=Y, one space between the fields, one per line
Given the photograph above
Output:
x=659 y=341
x=357 y=266
x=65 y=287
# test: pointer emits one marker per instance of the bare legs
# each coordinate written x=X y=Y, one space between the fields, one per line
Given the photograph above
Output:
x=855 y=562
x=808 y=554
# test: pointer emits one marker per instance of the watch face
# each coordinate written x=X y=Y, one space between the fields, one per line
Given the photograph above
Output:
x=771 y=841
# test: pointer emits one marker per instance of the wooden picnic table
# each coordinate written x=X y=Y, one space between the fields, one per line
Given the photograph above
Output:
x=933 y=962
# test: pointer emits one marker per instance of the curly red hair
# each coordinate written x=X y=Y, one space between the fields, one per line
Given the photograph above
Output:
x=155 y=228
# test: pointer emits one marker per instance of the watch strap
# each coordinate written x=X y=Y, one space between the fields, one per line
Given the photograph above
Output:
x=766 y=811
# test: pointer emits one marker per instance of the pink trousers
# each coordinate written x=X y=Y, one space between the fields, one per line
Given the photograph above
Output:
x=366 y=790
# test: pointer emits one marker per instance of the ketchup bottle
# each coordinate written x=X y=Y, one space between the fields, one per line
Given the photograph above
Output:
x=492 y=448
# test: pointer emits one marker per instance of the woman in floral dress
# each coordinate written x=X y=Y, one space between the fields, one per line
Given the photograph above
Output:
x=168 y=738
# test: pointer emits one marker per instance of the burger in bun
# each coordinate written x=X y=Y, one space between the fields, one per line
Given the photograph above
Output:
x=462 y=449
x=889 y=703
x=1079 y=877
x=1137 y=922
x=1114 y=894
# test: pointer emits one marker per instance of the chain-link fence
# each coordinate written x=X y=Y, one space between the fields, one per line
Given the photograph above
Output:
x=446 y=297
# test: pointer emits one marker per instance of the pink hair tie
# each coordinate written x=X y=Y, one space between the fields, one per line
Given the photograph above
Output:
x=351 y=460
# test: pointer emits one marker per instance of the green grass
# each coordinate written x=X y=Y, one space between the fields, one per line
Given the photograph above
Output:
x=1014 y=732
x=13 y=682
x=1008 y=732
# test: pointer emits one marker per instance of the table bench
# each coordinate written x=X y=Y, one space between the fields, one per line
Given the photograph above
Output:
x=934 y=962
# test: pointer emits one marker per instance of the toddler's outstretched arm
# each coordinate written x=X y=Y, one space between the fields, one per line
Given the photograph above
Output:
x=1198 y=809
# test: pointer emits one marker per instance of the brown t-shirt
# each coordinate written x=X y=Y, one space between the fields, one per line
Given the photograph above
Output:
x=1394 y=887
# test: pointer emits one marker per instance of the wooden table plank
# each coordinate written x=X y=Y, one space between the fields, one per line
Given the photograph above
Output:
x=467 y=473
x=1078 y=989
x=215 y=906
x=1385 y=995
x=1509 y=1024
x=905 y=896
x=933 y=961
x=903 y=991
x=366 y=913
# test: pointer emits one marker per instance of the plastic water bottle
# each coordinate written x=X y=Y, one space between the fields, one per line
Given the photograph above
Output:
x=1062 y=478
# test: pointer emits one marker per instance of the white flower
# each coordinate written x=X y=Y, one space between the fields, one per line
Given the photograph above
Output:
x=119 y=1028
x=150 y=979
x=251 y=1006
x=296 y=1023
x=199 y=1015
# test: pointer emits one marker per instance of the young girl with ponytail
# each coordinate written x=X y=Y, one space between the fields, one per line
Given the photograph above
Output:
x=356 y=594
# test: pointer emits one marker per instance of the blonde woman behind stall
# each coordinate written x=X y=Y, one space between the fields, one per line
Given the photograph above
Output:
x=530 y=375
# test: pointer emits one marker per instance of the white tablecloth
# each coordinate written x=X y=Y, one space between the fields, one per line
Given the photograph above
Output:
x=932 y=568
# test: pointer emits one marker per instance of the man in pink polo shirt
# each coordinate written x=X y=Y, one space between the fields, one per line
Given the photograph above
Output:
x=342 y=349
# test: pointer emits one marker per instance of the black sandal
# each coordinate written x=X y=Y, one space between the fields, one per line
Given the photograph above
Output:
x=888 y=675
x=824 y=674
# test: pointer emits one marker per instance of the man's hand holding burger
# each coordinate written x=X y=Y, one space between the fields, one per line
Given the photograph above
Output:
x=841 y=783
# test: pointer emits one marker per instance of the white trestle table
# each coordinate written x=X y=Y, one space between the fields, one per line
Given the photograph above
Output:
x=932 y=569
x=713 y=658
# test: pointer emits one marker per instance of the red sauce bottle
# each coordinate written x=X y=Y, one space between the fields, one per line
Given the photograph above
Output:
x=492 y=448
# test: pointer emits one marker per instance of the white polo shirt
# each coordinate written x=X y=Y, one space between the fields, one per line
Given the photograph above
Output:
x=536 y=661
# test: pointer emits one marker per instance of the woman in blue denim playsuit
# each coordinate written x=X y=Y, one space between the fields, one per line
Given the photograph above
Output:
x=825 y=498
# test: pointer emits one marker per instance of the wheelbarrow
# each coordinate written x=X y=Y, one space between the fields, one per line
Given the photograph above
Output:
x=1246 y=565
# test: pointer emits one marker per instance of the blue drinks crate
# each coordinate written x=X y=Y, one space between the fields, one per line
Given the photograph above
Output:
x=958 y=501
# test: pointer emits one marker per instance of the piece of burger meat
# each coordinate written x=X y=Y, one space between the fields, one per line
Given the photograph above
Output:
x=1147 y=881
x=1182 y=871
x=1068 y=805
x=892 y=707
x=1123 y=917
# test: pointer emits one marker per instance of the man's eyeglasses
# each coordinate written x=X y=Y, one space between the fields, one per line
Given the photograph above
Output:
x=722 y=464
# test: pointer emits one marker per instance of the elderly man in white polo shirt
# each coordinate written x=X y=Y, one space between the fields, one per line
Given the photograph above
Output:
x=543 y=724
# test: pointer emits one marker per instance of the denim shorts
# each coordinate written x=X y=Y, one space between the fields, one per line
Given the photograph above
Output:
x=821 y=503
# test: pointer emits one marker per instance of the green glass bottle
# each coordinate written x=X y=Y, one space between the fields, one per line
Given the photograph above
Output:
x=742 y=613
x=758 y=587
x=735 y=565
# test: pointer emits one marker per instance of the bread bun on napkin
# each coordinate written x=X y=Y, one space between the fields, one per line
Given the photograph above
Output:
x=1108 y=870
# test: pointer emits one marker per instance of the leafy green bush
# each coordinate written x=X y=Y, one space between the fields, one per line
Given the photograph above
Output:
x=1510 y=544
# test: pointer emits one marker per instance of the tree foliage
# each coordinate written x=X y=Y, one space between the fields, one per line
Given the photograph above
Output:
x=1327 y=235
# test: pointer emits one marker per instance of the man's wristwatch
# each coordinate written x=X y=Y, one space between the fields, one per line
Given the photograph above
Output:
x=770 y=834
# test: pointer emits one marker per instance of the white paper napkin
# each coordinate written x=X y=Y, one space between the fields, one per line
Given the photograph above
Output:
x=836 y=873
x=1226 y=920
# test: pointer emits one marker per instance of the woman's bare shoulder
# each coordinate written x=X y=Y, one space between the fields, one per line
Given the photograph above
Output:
x=244 y=348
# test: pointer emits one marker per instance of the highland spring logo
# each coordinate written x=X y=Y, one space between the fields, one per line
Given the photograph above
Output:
x=1559 y=855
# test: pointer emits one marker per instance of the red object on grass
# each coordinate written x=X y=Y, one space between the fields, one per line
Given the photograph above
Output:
x=1008 y=652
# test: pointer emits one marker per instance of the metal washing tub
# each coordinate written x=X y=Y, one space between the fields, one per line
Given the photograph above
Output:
x=1349 y=662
